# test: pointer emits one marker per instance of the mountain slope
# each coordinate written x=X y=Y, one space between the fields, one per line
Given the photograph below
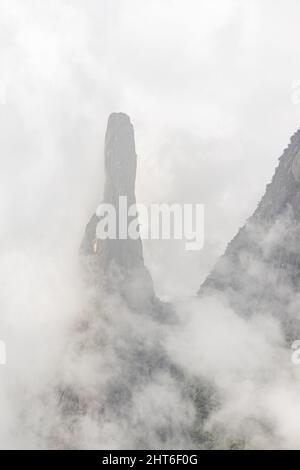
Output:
x=260 y=269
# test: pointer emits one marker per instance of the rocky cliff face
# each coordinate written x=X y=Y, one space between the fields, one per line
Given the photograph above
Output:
x=120 y=337
x=260 y=270
x=118 y=263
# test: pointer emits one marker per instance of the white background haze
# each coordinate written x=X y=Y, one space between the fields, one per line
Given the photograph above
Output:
x=208 y=87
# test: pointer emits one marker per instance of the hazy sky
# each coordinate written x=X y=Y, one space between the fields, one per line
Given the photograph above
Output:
x=207 y=84
x=208 y=87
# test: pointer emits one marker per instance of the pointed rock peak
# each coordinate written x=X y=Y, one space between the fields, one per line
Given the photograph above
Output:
x=119 y=262
x=120 y=159
x=118 y=119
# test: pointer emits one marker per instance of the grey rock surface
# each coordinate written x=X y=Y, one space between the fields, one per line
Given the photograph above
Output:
x=119 y=263
x=260 y=269
x=121 y=334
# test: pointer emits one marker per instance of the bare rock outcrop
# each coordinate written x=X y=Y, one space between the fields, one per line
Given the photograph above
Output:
x=260 y=269
x=118 y=263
